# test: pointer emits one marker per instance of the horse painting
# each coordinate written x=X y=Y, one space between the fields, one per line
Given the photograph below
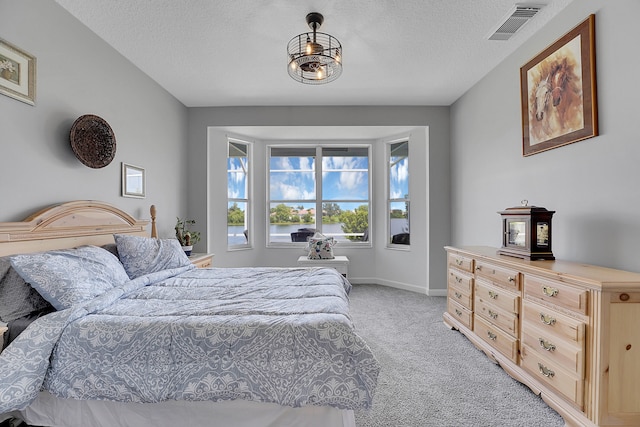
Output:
x=555 y=99
x=558 y=92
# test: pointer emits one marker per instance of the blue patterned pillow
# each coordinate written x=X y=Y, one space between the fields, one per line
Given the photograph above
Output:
x=144 y=255
x=70 y=276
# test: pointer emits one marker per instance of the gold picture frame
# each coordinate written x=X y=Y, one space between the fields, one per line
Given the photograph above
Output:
x=17 y=73
x=558 y=92
x=133 y=181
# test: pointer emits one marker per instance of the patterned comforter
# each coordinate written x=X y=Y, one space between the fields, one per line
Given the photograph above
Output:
x=279 y=335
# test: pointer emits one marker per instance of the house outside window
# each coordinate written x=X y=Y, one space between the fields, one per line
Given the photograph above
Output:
x=238 y=194
x=319 y=188
x=398 y=205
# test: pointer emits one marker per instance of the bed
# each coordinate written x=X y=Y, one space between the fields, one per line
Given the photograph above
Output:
x=123 y=330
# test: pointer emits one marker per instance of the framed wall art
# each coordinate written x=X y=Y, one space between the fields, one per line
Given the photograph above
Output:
x=133 y=181
x=17 y=73
x=558 y=92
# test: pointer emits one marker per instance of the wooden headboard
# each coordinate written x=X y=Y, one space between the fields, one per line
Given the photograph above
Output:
x=70 y=224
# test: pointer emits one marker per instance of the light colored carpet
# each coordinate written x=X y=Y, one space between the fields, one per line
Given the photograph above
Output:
x=434 y=376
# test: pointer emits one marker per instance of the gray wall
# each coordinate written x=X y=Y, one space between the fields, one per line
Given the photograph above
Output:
x=592 y=185
x=429 y=126
x=78 y=73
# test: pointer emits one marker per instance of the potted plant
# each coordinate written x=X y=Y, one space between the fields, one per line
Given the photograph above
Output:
x=186 y=237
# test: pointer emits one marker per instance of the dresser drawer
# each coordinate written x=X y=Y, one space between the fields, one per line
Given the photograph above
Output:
x=553 y=375
x=498 y=275
x=557 y=293
x=496 y=338
x=461 y=262
x=504 y=319
x=461 y=314
x=460 y=280
x=552 y=322
x=497 y=297
x=461 y=297
x=559 y=351
x=201 y=260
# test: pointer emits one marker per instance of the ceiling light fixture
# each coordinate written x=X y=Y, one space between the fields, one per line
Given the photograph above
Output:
x=314 y=58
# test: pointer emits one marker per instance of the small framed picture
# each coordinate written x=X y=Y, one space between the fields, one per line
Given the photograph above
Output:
x=17 y=73
x=133 y=181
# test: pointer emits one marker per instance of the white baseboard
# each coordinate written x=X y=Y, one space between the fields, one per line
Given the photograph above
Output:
x=399 y=285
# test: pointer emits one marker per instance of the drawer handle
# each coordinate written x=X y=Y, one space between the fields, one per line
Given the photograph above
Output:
x=549 y=291
x=546 y=371
x=458 y=312
x=546 y=345
x=459 y=262
x=511 y=279
x=478 y=267
x=493 y=295
x=491 y=335
x=547 y=320
x=458 y=279
x=493 y=314
x=458 y=295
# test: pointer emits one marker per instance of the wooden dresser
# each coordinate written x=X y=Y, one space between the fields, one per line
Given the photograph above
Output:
x=569 y=331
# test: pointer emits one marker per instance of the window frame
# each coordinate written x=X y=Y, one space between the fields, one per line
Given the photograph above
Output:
x=248 y=244
x=389 y=200
x=319 y=202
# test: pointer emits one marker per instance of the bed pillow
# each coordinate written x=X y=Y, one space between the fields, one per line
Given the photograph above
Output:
x=111 y=247
x=17 y=298
x=145 y=255
x=70 y=276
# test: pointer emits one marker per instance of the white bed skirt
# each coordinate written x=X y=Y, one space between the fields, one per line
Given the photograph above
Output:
x=48 y=410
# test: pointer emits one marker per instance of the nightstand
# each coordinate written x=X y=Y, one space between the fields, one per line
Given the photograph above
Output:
x=340 y=263
x=201 y=260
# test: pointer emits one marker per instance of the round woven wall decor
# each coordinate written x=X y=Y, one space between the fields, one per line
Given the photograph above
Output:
x=93 y=141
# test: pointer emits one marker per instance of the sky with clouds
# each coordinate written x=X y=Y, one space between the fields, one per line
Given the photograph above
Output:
x=292 y=179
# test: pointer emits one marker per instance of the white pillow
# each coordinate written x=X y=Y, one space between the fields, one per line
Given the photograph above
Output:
x=320 y=246
x=70 y=276
x=144 y=255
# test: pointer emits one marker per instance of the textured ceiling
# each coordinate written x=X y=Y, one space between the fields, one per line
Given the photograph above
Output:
x=233 y=52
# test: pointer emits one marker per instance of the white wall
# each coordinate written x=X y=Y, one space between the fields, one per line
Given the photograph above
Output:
x=410 y=270
x=592 y=185
x=78 y=73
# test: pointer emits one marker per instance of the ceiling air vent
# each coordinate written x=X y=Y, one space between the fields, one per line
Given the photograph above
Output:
x=519 y=15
